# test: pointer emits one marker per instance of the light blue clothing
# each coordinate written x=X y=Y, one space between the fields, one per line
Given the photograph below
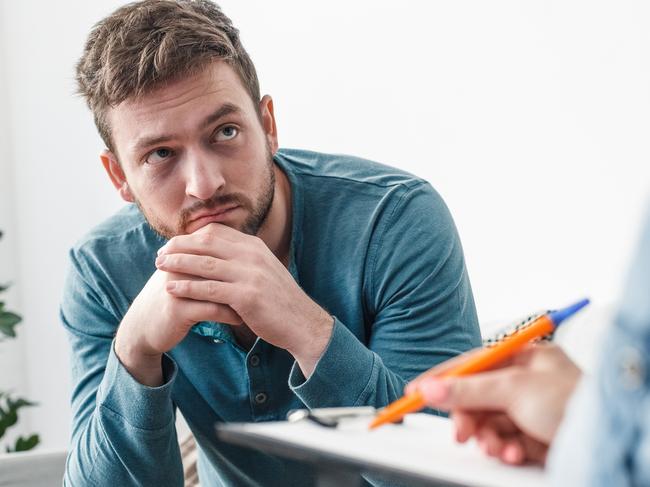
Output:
x=373 y=245
x=604 y=439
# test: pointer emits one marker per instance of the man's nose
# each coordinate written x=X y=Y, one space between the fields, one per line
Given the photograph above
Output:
x=203 y=175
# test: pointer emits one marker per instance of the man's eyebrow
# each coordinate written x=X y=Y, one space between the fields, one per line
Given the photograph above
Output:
x=222 y=111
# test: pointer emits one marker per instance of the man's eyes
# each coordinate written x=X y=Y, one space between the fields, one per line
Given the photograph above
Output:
x=222 y=134
x=225 y=133
x=159 y=155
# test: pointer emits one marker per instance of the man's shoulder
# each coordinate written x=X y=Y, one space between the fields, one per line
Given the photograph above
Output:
x=339 y=168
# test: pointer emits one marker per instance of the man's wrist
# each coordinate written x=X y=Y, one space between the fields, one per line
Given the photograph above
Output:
x=143 y=367
x=314 y=343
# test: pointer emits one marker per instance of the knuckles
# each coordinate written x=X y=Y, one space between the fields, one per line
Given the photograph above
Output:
x=208 y=264
x=212 y=289
x=205 y=239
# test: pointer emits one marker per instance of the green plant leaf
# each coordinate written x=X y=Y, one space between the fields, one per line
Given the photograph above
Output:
x=8 y=321
x=19 y=403
x=9 y=413
x=24 y=444
x=4 y=287
x=8 y=419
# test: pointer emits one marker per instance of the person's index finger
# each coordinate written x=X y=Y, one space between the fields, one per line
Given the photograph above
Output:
x=488 y=391
x=224 y=231
x=194 y=244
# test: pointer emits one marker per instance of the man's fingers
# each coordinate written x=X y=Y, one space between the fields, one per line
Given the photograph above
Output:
x=201 y=244
x=223 y=231
x=206 y=311
x=204 y=266
x=212 y=291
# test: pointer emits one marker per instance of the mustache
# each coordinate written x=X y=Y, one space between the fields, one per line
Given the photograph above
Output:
x=215 y=201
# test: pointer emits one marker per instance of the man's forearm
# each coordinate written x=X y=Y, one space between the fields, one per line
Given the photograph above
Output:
x=127 y=433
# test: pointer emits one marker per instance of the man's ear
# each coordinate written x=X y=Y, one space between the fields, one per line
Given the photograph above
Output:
x=268 y=122
x=115 y=172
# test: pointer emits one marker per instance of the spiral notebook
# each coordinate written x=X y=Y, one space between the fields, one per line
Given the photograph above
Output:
x=507 y=330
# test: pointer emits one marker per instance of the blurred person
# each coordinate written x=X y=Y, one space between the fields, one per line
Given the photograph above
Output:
x=539 y=407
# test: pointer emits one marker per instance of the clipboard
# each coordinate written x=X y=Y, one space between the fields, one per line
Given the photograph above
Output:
x=420 y=452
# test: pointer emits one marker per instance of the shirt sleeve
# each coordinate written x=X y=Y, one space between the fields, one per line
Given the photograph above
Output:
x=123 y=432
x=420 y=302
x=568 y=464
x=605 y=436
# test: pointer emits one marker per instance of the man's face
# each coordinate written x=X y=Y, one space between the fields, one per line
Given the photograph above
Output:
x=194 y=152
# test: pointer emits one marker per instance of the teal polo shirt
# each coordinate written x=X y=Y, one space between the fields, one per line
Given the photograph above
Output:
x=373 y=245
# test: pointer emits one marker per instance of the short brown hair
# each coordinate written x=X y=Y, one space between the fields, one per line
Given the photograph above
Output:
x=144 y=45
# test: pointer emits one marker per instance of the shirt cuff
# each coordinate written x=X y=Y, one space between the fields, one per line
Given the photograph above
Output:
x=566 y=464
x=144 y=407
x=342 y=376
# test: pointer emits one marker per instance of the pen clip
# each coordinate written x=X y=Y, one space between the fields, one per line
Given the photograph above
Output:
x=330 y=417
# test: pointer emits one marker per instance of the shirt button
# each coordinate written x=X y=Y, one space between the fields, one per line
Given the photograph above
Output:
x=217 y=341
x=631 y=368
x=260 y=398
x=254 y=360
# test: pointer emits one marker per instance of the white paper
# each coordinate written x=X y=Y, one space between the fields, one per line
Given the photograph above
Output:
x=423 y=444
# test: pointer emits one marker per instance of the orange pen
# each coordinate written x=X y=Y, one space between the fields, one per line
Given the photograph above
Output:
x=479 y=360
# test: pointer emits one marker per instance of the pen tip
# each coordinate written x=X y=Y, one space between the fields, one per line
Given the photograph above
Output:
x=562 y=314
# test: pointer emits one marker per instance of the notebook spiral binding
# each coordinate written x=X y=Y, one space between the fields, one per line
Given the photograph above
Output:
x=512 y=328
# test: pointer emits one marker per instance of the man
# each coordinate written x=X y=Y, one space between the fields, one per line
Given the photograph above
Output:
x=244 y=281
x=599 y=426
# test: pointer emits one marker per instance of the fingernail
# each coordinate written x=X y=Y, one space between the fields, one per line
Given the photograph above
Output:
x=171 y=286
x=434 y=391
x=161 y=260
x=161 y=249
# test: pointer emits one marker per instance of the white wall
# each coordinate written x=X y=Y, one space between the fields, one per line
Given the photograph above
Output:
x=58 y=187
x=530 y=118
x=12 y=352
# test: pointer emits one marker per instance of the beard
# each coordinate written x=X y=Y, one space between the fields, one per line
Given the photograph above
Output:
x=257 y=210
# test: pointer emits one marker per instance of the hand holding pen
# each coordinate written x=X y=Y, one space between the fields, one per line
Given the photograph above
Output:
x=514 y=408
x=512 y=411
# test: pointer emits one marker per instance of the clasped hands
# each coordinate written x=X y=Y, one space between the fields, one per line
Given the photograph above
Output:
x=220 y=274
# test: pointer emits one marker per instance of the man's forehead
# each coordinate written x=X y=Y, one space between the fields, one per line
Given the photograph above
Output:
x=178 y=103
